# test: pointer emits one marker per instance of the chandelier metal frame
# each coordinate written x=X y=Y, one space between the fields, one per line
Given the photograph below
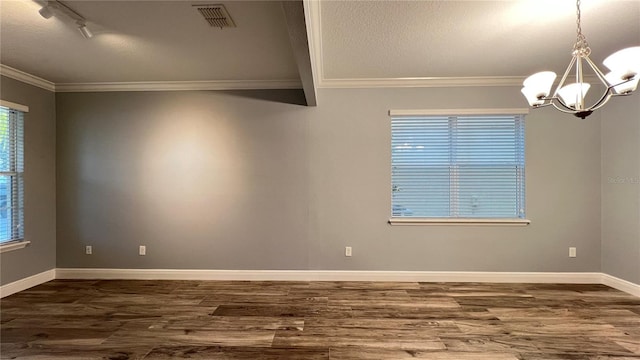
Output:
x=576 y=105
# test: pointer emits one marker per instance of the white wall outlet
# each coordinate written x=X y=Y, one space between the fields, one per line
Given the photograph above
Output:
x=572 y=252
x=347 y=251
x=142 y=250
x=88 y=250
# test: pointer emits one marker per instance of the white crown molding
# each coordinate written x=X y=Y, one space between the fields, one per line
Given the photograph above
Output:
x=428 y=82
x=314 y=36
x=149 y=85
x=424 y=82
x=26 y=78
x=179 y=85
x=26 y=283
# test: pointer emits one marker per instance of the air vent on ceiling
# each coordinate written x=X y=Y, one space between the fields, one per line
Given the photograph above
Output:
x=216 y=15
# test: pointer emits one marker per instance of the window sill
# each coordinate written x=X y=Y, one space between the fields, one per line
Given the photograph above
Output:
x=447 y=221
x=13 y=245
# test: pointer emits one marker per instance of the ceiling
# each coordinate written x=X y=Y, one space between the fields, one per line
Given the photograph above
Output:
x=389 y=39
x=351 y=43
x=147 y=41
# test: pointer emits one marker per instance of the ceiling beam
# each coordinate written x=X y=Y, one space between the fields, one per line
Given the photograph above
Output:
x=296 y=25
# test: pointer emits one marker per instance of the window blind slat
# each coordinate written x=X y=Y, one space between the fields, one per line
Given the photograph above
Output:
x=458 y=166
x=11 y=175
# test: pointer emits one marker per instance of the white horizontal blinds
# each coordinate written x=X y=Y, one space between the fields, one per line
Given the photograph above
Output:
x=458 y=166
x=11 y=174
x=420 y=166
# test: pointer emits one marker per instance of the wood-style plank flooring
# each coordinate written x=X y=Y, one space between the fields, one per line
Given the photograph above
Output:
x=318 y=320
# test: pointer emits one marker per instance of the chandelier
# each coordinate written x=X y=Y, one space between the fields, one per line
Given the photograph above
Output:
x=624 y=66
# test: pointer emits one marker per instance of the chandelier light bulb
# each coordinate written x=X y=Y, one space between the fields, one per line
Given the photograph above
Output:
x=534 y=97
x=540 y=82
x=573 y=94
x=625 y=60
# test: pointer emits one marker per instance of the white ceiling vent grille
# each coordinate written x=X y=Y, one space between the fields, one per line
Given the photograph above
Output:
x=216 y=15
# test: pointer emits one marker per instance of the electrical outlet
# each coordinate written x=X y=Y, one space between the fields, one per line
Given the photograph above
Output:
x=142 y=250
x=88 y=250
x=572 y=252
x=347 y=251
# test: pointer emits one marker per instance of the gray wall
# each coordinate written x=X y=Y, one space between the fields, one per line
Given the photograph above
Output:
x=219 y=180
x=621 y=188
x=350 y=189
x=203 y=179
x=39 y=179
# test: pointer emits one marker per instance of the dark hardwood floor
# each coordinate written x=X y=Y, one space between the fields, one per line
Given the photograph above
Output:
x=319 y=320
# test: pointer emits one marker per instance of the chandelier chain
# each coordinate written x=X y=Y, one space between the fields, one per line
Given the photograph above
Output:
x=581 y=46
x=579 y=27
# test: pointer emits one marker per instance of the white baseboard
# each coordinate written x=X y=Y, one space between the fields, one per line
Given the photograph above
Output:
x=328 y=275
x=26 y=283
x=622 y=285
x=322 y=275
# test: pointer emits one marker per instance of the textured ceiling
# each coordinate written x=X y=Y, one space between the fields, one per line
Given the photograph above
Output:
x=147 y=41
x=138 y=41
x=398 y=39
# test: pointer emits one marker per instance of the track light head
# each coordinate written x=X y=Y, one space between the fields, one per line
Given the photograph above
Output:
x=46 y=12
x=84 y=30
x=56 y=7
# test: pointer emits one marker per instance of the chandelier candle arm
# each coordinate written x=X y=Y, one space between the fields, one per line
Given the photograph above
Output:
x=621 y=84
x=622 y=80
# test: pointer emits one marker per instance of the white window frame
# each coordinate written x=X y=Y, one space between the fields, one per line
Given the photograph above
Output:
x=451 y=220
x=17 y=243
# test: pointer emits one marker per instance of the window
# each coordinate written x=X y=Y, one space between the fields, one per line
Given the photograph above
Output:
x=457 y=167
x=11 y=174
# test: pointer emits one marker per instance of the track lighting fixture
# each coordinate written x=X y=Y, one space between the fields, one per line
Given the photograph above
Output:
x=46 y=12
x=84 y=30
x=55 y=7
